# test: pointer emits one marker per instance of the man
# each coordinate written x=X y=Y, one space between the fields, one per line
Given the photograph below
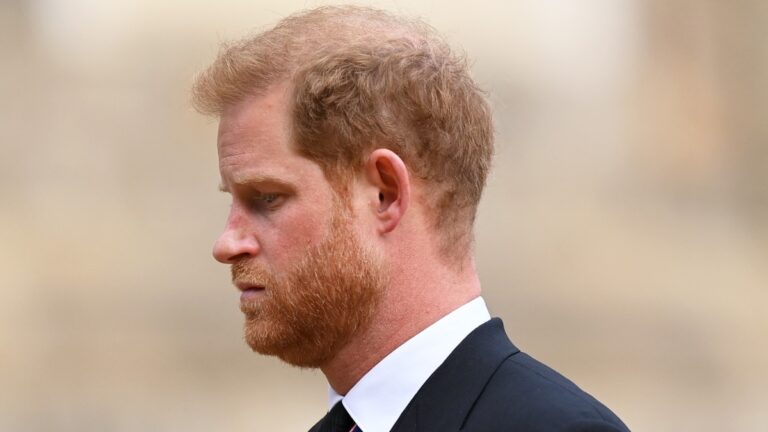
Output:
x=356 y=146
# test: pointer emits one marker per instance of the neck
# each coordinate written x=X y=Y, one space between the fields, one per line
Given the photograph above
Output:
x=412 y=302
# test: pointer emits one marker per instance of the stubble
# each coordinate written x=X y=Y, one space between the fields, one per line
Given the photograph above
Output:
x=307 y=315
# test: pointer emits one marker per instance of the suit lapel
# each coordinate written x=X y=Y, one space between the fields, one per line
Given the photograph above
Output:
x=447 y=397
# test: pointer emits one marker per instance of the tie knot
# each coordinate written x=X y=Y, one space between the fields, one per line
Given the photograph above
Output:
x=338 y=420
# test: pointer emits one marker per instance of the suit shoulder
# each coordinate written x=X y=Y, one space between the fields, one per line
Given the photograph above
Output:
x=526 y=394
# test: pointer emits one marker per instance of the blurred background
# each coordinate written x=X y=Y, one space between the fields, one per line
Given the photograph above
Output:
x=623 y=236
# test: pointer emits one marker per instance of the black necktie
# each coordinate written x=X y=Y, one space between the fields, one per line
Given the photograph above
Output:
x=337 y=420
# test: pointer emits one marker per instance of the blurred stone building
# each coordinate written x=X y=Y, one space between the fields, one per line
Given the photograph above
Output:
x=623 y=237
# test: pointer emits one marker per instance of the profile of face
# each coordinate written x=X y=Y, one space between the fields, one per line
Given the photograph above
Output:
x=309 y=282
x=309 y=313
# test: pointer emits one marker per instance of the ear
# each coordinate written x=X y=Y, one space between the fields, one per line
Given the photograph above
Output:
x=388 y=175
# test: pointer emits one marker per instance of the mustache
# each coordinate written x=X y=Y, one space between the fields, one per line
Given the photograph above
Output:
x=246 y=273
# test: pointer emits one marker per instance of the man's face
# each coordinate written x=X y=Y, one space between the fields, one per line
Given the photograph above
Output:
x=308 y=281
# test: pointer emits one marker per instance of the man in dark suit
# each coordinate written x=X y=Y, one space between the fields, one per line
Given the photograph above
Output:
x=355 y=146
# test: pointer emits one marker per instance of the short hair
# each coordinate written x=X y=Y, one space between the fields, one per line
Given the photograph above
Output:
x=362 y=79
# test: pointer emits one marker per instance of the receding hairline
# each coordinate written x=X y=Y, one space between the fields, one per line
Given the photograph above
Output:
x=304 y=37
x=359 y=77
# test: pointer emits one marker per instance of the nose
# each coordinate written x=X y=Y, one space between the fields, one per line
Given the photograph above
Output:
x=235 y=243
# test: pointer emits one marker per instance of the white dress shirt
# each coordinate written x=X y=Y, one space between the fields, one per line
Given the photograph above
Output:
x=381 y=395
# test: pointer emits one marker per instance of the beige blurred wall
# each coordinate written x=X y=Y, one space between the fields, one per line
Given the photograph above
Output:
x=623 y=236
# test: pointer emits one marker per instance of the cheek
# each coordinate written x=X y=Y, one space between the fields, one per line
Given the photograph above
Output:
x=292 y=233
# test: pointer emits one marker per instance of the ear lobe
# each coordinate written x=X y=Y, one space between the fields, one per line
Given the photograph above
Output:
x=389 y=176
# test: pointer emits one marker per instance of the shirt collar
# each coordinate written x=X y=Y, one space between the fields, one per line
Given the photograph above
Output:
x=381 y=395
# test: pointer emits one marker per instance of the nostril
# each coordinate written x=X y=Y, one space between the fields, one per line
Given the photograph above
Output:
x=237 y=258
x=234 y=245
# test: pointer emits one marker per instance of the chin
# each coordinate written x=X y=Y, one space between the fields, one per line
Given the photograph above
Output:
x=267 y=339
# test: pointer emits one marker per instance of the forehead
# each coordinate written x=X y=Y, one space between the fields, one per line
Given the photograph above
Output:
x=254 y=139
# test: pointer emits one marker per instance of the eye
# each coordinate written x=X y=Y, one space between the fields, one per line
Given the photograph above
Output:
x=268 y=201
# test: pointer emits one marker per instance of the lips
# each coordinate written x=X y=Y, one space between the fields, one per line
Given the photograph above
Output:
x=249 y=291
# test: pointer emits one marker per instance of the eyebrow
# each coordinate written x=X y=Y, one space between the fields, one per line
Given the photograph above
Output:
x=256 y=180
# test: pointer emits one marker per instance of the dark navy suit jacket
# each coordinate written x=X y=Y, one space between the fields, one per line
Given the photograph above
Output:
x=488 y=385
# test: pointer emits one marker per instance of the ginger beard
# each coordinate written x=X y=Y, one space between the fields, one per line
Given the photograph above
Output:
x=307 y=315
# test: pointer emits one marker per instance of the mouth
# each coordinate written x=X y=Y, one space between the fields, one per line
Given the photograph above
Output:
x=249 y=292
